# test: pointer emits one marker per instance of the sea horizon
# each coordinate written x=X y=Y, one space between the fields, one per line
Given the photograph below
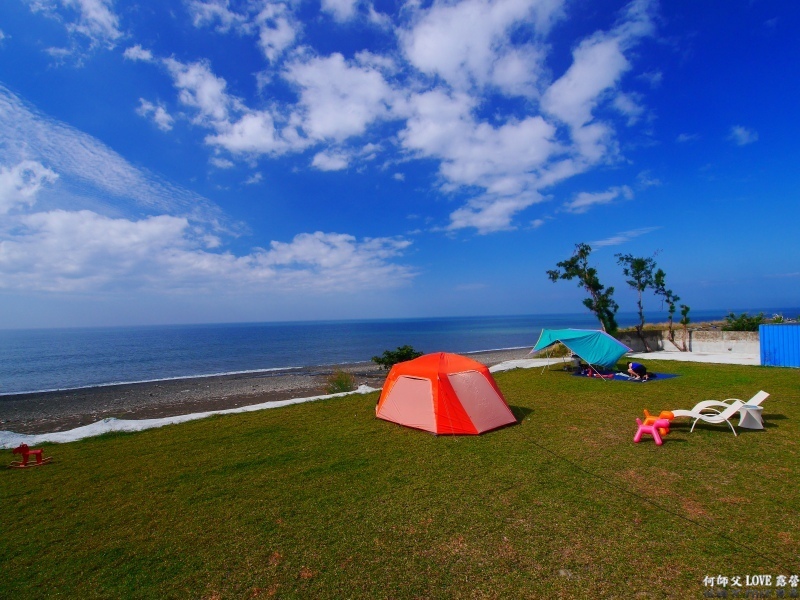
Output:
x=69 y=358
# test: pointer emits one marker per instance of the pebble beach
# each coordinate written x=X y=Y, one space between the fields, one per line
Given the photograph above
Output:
x=46 y=412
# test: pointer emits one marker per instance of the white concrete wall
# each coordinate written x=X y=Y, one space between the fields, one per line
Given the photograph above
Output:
x=716 y=341
x=743 y=342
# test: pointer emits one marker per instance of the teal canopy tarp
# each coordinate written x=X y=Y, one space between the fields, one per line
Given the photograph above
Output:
x=593 y=346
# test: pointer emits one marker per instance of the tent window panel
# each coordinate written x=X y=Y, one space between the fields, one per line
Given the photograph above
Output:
x=480 y=400
x=410 y=401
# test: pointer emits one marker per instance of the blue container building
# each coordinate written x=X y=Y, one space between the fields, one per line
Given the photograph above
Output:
x=780 y=345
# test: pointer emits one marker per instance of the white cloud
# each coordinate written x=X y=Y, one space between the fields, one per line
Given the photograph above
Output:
x=234 y=126
x=586 y=200
x=338 y=100
x=623 y=237
x=500 y=159
x=20 y=183
x=221 y=163
x=341 y=10
x=599 y=62
x=199 y=88
x=452 y=57
x=159 y=114
x=253 y=133
x=687 y=137
x=277 y=30
x=67 y=251
x=3 y=37
x=138 y=53
x=254 y=179
x=273 y=22
x=61 y=54
x=654 y=78
x=81 y=250
x=370 y=151
x=214 y=11
x=330 y=161
x=597 y=65
x=645 y=180
x=507 y=161
x=741 y=136
x=384 y=64
x=91 y=175
x=490 y=214
x=629 y=105
x=92 y=19
x=63 y=246
x=512 y=158
x=330 y=261
x=467 y=43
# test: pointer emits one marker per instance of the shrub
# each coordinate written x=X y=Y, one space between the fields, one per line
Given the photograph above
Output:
x=340 y=381
x=743 y=322
x=392 y=357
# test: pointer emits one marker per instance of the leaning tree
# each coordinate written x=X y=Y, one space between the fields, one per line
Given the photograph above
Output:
x=600 y=300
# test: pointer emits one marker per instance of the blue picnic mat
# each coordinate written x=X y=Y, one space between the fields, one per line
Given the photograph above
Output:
x=624 y=377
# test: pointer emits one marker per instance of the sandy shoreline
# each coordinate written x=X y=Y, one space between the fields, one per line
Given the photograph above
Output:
x=63 y=410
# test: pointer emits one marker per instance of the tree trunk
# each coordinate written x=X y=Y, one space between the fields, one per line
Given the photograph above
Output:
x=640 y=326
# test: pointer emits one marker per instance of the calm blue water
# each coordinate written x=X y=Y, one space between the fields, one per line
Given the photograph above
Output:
x=49 y=359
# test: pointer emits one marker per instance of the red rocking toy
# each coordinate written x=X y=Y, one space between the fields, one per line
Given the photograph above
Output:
x=26 y=453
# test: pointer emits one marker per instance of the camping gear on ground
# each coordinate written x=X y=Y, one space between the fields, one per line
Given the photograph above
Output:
x=26 y=453
x=654 y=429
x=595 y=347
x=624 y=376
x=444 y=394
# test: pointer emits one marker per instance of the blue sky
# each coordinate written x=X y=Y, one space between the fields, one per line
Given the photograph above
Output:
x=187 y=161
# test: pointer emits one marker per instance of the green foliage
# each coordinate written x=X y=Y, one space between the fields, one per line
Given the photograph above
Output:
x=323 y=500
x=778 y=318
x=685 y=320
x=392 y=357
x=340 y=381
x=600 y=300
x=743 y=322
x=671 y=298
x=640 y=273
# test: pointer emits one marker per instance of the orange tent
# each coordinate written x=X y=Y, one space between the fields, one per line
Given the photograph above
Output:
x=444 y=394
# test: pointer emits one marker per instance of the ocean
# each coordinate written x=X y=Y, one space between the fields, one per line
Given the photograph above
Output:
x=57 y=359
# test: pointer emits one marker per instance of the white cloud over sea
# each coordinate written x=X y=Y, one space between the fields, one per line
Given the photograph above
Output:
x=76 y=217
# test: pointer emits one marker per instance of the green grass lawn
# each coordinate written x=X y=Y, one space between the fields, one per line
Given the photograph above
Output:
x=322 y=500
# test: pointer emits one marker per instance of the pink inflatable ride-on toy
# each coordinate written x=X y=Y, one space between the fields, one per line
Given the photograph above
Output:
x=658 y=425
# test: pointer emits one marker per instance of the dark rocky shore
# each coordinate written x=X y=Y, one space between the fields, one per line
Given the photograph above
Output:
x=63 y=410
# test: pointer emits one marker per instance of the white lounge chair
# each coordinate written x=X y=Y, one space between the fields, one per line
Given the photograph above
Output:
x=720 y=405
x=709 y=414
